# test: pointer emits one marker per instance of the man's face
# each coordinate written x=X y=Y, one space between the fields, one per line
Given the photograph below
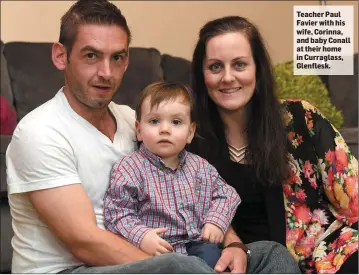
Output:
x=96 y=64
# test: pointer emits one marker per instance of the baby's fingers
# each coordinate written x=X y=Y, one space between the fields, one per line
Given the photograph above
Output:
x=205 y=234
x=166 y=245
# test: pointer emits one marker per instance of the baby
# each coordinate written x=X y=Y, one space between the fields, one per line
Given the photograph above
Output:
x=162 y=198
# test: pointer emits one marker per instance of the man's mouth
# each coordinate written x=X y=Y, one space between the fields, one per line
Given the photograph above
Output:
x=102 y=87
x=230 y=90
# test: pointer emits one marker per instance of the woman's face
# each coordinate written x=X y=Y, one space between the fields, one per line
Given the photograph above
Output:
x=229 y=71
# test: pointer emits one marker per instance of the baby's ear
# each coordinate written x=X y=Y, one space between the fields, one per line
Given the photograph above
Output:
x=192 y=131
x=138 y=130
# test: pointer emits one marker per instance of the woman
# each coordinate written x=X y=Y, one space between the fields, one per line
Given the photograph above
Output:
x=296 y=176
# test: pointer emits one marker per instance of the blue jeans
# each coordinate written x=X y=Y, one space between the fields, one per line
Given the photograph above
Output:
x=209 y=252
x=267 y=257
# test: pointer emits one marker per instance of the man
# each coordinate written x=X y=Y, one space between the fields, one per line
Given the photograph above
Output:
x=61 y=155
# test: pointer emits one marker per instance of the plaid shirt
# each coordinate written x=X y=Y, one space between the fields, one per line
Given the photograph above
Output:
x=145 y=194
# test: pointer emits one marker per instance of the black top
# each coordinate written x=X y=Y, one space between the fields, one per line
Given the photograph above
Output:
x=251 y=220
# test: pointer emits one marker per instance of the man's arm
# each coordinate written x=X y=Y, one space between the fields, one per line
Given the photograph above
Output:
x=68 y=212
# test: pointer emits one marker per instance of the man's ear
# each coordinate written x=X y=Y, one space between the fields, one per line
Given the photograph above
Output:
x=192 y=131
x=138 y=131
x=59 y=56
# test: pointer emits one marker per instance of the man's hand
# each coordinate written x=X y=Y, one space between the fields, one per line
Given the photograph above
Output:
x=153 y=244
x=212 y=233
x=234 y=258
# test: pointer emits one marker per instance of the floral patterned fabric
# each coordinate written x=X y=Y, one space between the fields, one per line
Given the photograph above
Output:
x=321 y=194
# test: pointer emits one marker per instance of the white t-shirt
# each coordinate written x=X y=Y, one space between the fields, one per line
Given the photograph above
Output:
x=53 y=146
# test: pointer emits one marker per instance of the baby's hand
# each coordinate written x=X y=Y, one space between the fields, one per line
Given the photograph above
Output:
x=153 y=244
x=212 y=233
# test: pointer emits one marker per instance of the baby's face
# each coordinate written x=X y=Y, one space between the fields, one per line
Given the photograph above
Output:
x=165 y=129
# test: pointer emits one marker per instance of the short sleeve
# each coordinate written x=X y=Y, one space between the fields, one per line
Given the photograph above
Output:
x=39 y=158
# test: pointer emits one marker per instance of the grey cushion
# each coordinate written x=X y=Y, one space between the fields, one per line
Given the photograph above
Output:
x=4 y=142
x=176 y=69
x=343 y=91
x=144 y=68
x=34 y=78
x=350 y=136
x=5 y=80
x=6 y=235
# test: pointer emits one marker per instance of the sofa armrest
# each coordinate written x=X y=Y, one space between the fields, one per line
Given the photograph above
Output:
x=4 y=143
x=350 y=136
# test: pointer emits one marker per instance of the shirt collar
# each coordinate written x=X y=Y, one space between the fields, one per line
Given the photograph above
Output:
x=158 y=162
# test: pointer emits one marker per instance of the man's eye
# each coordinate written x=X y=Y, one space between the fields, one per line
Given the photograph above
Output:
x=91 y=55
x=176 y=122
x=215 y=67
x=154 y=121
x=118 y=57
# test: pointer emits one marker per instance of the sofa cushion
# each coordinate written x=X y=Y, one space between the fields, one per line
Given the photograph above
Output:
x=343 y=91
x=176 y=69
x=5 y=80
x=34 y=78
x=6 y=235
x=350 y=135
x=4 y=142
x=143 y=69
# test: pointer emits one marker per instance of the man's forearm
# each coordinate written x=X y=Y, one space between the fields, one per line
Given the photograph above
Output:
x=102 y=247
x=230 y=237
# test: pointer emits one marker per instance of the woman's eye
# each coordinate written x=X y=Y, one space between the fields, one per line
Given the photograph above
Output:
x=154 y=121
x=176 y=122
x=215 y=67
x=239 y=65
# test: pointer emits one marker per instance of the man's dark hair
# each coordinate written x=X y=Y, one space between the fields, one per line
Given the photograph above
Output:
x=100 y=12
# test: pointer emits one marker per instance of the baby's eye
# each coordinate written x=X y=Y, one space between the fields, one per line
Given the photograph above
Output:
x=154 y=121
x=176 y=122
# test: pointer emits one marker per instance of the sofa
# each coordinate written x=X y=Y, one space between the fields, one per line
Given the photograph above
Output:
x=28 y=79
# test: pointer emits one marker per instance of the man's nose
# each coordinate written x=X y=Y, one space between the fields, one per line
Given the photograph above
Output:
x=104 y=69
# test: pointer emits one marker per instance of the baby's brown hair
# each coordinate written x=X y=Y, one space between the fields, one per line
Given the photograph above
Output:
x=166 y=91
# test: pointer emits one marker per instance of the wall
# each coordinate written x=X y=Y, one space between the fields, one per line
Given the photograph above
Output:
x=170 y=26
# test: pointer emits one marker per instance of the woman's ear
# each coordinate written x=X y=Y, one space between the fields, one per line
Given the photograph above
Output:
x=59 y=56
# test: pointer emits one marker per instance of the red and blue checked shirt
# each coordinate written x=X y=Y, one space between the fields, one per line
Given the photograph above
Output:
x=145 y=194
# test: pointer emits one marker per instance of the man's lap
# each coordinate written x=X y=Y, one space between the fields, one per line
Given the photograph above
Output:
x=165 y=263
x=267 y=257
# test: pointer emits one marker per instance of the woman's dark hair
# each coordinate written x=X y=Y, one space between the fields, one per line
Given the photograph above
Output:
x=100 y=12
x=265 y=128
